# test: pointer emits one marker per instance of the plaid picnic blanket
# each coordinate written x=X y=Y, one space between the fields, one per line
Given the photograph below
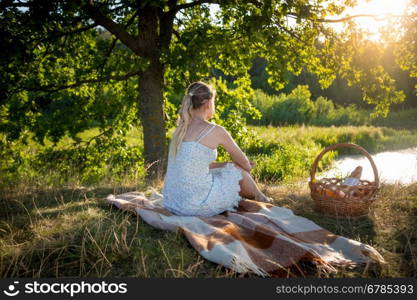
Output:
x=259 y=237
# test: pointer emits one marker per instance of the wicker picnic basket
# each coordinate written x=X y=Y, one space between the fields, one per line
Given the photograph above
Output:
x=332 y=198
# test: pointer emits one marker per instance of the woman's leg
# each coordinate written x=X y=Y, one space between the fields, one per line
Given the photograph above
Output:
x=248 y=187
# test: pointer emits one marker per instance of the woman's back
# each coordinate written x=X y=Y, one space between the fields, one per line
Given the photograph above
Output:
x=191 y=187
x=193 y=158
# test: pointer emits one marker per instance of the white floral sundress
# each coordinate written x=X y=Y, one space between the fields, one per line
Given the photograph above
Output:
x=191 y=188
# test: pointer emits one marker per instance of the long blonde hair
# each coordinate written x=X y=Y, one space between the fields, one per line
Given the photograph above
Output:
x=194 y=98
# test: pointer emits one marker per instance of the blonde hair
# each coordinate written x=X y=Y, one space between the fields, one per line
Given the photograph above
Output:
x=194 y=98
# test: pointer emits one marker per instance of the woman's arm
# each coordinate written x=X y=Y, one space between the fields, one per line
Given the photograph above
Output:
x=217 y=165
x=222 y=164
x=235 y=152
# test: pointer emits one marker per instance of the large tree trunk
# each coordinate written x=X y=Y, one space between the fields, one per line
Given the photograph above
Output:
x=151 y=107
x=151 y=86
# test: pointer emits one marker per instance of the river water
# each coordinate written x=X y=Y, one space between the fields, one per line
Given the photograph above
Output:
x=398 y=166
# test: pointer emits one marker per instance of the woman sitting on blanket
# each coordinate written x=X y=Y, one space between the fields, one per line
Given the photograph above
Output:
x=194 y=184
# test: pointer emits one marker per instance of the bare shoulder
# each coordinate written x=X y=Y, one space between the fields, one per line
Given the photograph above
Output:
x=222 y=134
x=220 y=130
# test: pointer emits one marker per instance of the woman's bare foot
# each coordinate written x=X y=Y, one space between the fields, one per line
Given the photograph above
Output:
x=263 y=198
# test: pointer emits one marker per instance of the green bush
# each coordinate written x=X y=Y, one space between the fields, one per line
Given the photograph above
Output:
x=323 y=108
x=294 y=108
x=297 y=108
x=264 y=103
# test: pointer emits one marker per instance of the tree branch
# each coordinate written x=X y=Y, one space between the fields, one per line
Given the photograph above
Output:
x=166 y=23
x=61 y=34
x=345 y=18
x=115 y=28
x=88 y=143
x=191 y=4
x=177 y=34
x=114 y=41
x=54 y=88
x=291 y=33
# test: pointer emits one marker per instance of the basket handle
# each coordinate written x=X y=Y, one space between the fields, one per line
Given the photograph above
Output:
x=349 y=145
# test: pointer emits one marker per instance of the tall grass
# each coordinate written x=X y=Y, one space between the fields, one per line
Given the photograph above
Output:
x=73 y=232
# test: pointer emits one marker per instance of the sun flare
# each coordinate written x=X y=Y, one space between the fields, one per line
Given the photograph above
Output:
x=385 y=10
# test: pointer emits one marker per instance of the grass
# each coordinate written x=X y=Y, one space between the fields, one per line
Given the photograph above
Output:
x=71 y=231
x=74 y=232
x=373 y=139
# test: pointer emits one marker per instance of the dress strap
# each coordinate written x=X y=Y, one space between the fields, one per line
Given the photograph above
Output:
x=207 y=132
